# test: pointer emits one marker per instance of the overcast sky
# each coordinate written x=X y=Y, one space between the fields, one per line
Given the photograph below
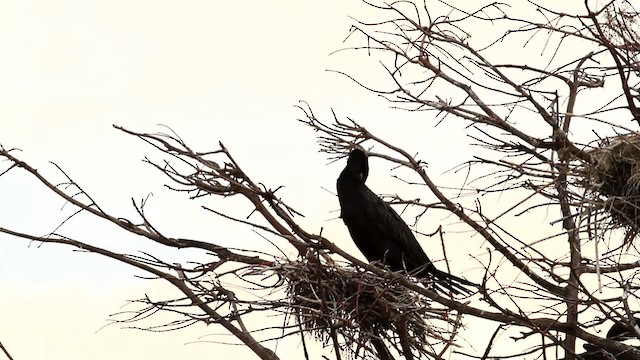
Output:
x=212 y=71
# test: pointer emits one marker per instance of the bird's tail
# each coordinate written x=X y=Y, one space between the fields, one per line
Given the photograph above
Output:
x=444 y=281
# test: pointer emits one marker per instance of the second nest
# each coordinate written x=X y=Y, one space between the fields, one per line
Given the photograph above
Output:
x=613 y=182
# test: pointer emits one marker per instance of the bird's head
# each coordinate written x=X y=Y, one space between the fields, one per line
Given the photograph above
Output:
x=358 y=164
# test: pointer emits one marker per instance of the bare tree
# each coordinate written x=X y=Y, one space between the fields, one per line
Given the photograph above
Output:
x=555 y=131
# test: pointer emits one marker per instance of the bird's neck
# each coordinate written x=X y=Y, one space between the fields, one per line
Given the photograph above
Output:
x=350 y=176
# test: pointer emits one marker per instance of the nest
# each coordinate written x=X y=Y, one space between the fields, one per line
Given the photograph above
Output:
x=612 y=181
x=357 y=311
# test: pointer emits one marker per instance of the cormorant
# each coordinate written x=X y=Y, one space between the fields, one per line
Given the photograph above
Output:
x=380 y=233
x=619 y=332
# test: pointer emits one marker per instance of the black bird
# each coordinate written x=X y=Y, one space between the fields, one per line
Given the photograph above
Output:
x=380 y=233
x=619 y=332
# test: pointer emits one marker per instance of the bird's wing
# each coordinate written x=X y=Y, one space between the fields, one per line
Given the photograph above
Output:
x=403 y=250
x=395 y=231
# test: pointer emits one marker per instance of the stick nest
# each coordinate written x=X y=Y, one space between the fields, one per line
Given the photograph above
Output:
x=355 y=309
x=613 y=183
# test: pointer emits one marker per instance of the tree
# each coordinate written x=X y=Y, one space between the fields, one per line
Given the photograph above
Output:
x=549 y=136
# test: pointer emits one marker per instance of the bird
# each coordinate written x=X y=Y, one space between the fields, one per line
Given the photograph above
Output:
x=381 y=234
x=619 y=331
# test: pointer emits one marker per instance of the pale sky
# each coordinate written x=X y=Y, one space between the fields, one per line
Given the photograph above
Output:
x=212 y=71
